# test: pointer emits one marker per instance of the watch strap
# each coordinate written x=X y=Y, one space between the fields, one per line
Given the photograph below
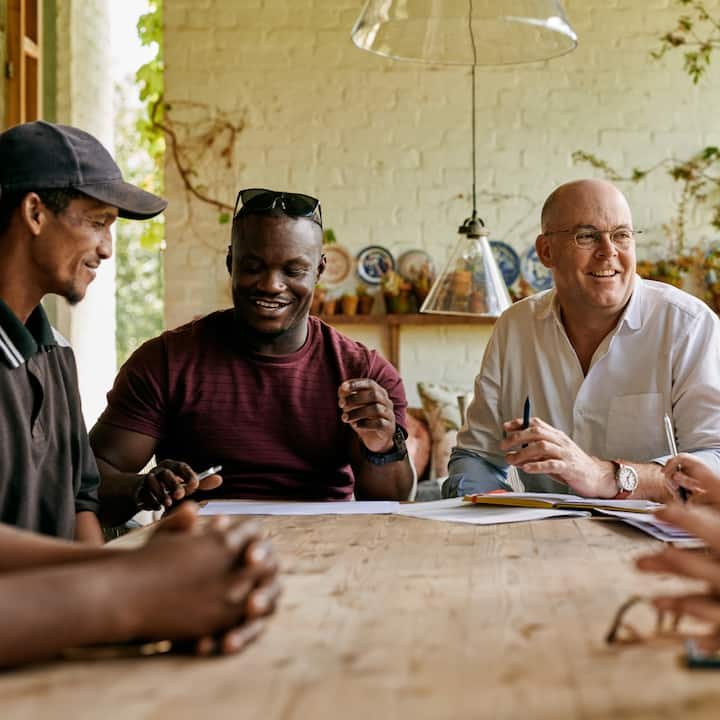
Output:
x=396 y=453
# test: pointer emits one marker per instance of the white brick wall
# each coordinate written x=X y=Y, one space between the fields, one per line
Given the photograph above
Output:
x=85 y=100
x=386 y=145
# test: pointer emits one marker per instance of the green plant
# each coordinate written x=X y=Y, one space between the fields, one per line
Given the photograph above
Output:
x=139 y=149
x=698 y=187
x=329 y=236
x=698 y=33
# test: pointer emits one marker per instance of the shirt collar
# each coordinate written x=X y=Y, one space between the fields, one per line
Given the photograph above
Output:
x=631 y=315
x=18 y=342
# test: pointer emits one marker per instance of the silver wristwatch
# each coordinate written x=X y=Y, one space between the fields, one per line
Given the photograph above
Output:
x=626 y=478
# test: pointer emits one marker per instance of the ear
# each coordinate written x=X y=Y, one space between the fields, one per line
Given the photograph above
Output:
x=321 y=266
x=33 y=213
x=228 y=259
x=544 y=250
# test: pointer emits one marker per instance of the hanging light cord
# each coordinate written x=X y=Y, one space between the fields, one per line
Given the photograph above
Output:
x=474 y=141
x=472 y=227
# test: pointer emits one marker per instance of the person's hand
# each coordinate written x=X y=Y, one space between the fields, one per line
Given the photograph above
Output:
x=703 y=522
x=170 y=481
x=368 y=409
x=542 y=448
x=689 y=472
x=224 y=572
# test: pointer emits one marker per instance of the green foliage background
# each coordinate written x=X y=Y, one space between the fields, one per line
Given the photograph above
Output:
x=140 y=149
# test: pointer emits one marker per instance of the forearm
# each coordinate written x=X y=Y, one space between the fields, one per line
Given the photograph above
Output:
x=23 y=550
x=87 y=528
x=117 y=494
x=651 y=482
x=392 y=481
x=82 y=609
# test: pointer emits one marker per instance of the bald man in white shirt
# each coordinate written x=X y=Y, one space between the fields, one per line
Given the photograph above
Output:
x=602 y=358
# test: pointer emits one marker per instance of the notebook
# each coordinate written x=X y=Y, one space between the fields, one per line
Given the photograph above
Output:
x=561 y=501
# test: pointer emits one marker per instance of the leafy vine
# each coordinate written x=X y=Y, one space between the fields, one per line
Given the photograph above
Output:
x=697 y=33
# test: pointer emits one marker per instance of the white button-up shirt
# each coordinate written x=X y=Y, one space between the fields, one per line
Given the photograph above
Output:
x=662 y=357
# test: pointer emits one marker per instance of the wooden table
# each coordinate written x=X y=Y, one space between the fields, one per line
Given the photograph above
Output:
x=392 y=617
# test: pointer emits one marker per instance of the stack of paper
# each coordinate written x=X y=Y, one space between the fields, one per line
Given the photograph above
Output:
x=652 y=526
x=279 y=507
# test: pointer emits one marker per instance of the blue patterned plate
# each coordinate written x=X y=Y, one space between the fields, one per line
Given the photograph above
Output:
x=507 y=260
x=539 y=277
x=373 y=262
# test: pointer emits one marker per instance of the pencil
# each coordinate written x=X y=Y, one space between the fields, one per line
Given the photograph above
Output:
x=670 y=435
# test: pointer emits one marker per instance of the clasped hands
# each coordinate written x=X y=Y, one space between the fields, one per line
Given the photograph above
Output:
x=543 y=449
x=369 y=411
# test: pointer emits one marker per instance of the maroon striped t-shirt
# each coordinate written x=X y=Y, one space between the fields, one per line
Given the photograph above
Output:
x=273 y=423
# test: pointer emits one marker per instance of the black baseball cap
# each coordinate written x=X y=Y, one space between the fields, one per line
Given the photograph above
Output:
x=43 y=156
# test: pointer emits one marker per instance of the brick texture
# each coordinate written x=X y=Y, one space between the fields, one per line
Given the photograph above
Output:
x=386 y=145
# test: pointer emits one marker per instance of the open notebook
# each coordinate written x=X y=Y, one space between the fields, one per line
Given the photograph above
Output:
x=561 y=501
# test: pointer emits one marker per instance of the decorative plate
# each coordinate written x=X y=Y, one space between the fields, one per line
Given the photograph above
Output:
x=507 y=260
x=373 y=262
x=539 y=277
x=410 y=264
x=339 y=265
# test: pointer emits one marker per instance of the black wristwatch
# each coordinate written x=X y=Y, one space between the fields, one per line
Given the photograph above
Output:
x=397 y=452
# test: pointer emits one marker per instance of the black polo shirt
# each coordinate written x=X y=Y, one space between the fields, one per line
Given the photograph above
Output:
x=47 y=469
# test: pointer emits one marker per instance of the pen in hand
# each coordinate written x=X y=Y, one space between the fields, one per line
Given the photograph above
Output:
x=207 y=473
x=672 y=447
x=526 y=415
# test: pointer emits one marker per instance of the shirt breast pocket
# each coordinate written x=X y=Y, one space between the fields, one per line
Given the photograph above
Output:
x=635 y=429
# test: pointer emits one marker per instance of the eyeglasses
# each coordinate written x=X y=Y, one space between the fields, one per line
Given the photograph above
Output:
x=637 y=620
x=589 y=237
x=258 y=200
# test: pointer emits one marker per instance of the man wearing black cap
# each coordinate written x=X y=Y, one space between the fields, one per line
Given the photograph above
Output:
x=60 y=192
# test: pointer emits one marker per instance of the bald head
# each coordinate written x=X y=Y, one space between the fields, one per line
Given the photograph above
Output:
x=572 y=203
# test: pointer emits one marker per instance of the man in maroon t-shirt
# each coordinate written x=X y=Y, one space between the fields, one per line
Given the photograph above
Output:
x=287 y=405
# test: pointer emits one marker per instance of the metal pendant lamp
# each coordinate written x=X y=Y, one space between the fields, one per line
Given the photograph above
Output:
x=466 y=32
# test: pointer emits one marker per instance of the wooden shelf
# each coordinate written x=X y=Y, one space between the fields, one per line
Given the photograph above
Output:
x=406 y=319
x=393 y=323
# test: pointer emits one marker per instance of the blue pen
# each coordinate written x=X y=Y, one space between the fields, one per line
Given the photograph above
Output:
x=526 y=415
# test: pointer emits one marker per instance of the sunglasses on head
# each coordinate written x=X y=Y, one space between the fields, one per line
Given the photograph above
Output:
x=258 y=200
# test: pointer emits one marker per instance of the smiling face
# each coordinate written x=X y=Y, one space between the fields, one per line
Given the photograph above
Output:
x=596 y=282
x=69 y=246
x=275 y=262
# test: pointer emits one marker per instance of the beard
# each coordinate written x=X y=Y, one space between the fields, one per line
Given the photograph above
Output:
x=73 y=294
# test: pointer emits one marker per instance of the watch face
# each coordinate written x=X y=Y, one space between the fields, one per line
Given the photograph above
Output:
x=627 y=478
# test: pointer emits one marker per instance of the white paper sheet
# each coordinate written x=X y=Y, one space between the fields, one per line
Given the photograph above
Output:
x=455 y=510
x=652 y=526
x=261 y=507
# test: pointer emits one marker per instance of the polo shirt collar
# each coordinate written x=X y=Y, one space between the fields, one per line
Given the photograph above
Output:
x=18 y=342
x=631 y=316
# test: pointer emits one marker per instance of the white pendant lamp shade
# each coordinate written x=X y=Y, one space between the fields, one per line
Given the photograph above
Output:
x=465 y=32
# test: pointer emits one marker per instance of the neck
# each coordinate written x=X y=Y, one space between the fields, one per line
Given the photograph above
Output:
x=586 y=333
x=284 y=343
x=19 y=290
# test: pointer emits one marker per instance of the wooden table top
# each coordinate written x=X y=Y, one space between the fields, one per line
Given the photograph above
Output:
x=393 y=617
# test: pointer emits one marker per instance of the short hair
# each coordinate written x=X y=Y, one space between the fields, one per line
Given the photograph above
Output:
x=56 y=200
x=275 y=212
